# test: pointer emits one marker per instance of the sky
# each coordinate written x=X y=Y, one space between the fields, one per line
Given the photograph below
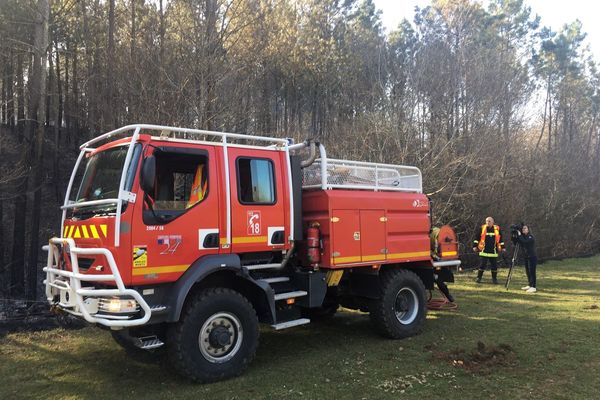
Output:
x=553 y=13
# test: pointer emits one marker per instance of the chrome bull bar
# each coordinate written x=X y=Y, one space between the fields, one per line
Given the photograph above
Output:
x=83 y=301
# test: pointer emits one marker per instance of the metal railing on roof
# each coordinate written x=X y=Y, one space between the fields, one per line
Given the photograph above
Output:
x=347 y=174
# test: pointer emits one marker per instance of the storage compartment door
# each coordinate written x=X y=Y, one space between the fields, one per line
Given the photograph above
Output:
x=345 y=225
x=372 y=235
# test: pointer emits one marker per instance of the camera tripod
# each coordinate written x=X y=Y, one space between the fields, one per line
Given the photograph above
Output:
x=512 y=264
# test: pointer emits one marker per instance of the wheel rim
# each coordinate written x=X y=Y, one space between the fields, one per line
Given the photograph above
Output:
x=220 y=337
x=406 y=305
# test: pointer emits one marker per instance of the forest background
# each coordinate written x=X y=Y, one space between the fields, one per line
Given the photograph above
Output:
x=500 y=112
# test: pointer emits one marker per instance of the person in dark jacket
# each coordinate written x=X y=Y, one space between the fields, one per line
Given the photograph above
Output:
x=488 y=243
x=527 y=242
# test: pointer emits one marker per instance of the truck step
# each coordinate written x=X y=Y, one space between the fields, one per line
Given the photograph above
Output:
x=289 y=295
x=276 y=279
x=262 y=266
x=148 y=342
x=290 y=324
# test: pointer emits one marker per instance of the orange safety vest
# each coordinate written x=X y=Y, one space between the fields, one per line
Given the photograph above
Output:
x=199 y=186
x=484 y=233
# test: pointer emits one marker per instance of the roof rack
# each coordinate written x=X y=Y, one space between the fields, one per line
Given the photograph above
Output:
x=187 y=134
x=169 y=132
x=328 y=173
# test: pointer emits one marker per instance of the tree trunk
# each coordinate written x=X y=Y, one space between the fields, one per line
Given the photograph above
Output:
x=50 y=88
x=132 y=64
x=110 y=59
x=17 y=260
x=39 y=85
x=57 y=126
x=2 y=244
x=550 y=124
x=91 y=78
x=17 y=264
x=10 y=98
x=67 y=103
x=21 y=98
x=543 y=118
x=75 y=111
x=3 y=104
x=210 y=52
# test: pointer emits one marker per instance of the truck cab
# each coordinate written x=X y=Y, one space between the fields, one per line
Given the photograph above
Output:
x=186 y=239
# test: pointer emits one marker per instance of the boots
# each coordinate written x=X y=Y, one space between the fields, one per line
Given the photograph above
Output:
x=495 y=277
x=479 y=276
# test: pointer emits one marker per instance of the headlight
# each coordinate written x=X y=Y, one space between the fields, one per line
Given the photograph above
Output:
x=116 y=305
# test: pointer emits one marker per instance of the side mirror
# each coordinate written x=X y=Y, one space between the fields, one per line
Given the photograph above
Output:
x=148 y=175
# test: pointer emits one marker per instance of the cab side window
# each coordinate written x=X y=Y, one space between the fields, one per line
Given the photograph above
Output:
x=256 y=181
x=181 y=183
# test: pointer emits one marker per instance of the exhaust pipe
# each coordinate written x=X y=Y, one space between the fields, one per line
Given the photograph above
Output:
x=313 y=154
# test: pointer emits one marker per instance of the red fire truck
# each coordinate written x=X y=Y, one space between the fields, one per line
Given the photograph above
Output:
x=188 y=239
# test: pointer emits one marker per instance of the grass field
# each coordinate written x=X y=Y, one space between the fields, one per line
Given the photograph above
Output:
x=498 y=345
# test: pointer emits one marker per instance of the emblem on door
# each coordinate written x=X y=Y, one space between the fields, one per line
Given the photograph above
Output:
x=356 y=235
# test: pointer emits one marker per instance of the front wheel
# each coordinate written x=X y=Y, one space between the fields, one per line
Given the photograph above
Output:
x=216 y=336
x=401 y=310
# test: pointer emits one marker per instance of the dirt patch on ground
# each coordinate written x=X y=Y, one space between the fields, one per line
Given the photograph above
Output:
x=481 y=360
x=403 y=384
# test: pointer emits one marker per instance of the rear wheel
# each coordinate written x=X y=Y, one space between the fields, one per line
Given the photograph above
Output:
x=401 y=310
x=216 y=336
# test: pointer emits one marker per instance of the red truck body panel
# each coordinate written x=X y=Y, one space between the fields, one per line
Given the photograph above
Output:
x=365 y=227
x=171 y=248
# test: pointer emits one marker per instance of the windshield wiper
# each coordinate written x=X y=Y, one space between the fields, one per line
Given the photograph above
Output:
x=85 y=212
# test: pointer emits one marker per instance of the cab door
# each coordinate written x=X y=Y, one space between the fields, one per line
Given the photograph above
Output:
x=258 y=200
x=179 y=222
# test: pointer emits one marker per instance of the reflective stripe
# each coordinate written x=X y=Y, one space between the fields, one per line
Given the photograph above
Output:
x=408 y=255
x=85 y=231
x=159 y=270
x=485 y=233
x=245 y=239
x=94 y=232
x=376 y=257
x=483 y=254
x=349 y=259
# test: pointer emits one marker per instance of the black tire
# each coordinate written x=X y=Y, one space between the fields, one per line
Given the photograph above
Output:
x=402 y=308
x=215 y=338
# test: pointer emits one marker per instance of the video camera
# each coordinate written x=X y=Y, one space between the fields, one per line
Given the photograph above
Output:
x=515 y=229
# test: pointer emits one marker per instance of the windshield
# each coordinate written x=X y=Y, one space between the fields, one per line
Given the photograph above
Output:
x=102 y=176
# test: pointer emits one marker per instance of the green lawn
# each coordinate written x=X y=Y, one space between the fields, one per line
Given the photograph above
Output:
x=540 y=346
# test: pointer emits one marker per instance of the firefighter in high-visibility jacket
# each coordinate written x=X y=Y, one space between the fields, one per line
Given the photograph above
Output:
x=488 y=243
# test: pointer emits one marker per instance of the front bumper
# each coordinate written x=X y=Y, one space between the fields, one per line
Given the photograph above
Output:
x=64 y=288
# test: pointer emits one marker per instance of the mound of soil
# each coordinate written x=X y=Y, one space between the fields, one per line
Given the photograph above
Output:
x=480 y=360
